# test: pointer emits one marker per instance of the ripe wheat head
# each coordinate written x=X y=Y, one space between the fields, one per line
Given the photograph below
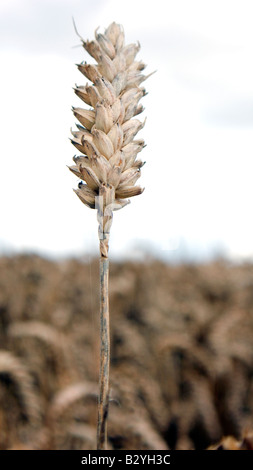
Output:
x=108 y=166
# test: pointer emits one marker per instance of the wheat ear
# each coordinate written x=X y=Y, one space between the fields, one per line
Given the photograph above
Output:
x=108 y=165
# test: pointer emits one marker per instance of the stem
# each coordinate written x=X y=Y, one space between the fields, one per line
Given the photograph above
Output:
x=103 y=400
x=106 y=193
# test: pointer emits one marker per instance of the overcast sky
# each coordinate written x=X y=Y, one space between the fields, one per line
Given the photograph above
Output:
x=198 y=174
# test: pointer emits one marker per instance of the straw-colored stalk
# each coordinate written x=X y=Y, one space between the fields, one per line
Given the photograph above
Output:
x=108 y=167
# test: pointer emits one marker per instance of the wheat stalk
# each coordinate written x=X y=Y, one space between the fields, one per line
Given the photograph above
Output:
x=108 y=165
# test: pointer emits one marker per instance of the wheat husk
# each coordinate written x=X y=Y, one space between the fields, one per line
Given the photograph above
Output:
x=109 y=169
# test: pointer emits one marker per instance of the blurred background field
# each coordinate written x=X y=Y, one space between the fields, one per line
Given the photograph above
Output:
x=182 y=356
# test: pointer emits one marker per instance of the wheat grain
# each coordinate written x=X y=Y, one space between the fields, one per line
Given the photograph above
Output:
x=108 y=164
x=109 y=167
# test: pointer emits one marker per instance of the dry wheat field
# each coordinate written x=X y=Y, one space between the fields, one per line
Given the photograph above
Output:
x=181 y=354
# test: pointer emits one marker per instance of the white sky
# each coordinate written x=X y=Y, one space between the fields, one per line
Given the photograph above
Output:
x=199 y=108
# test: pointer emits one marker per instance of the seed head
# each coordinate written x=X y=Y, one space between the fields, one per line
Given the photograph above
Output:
x=106 y=136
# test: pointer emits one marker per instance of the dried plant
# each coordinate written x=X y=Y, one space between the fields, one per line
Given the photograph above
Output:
x=108 y=166
x=52 y=350
x=62 y=403
x=230 y=443
x=19 y=397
